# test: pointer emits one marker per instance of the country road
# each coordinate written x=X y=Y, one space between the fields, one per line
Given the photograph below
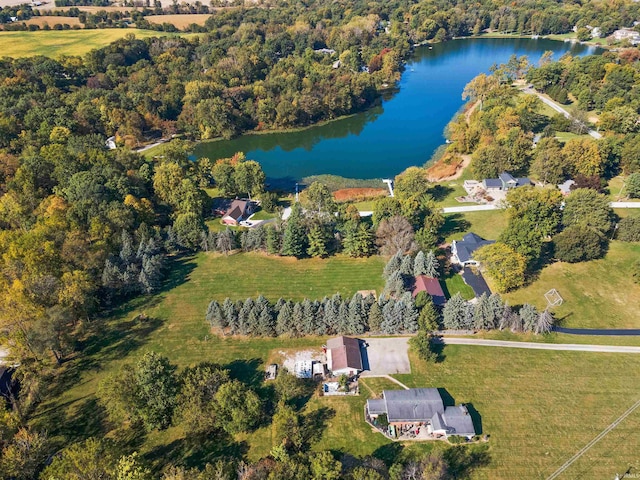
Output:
x=567 y=347
x=557 y=108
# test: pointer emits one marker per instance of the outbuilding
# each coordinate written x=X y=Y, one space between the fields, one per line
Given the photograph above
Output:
x=344 y=356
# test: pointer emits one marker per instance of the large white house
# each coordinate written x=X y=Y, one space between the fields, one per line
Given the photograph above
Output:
x=462 y=250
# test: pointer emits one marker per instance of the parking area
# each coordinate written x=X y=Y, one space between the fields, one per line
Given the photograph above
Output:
x=385 y=356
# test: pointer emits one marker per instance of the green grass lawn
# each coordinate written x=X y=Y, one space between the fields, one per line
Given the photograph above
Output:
x=488 y=224
x=54 y=43
x=541 y=407
x=455 y=284
x=263 y=215
x=597 y=294
x=564 y=137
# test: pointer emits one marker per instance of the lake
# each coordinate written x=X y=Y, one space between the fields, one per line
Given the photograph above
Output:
x=403 y=131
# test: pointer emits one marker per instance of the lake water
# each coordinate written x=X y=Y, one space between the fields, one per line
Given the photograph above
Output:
x=403 y=131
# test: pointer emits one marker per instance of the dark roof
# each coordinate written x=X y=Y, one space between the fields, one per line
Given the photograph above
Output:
x=432 y=287
x=492 y=183
x=412 y=405
x=469 y=244
x=523 y=181
x=345 y=353
x=476 y=281
x=237 y=209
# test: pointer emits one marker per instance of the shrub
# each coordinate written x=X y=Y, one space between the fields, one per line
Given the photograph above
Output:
x=633 y=185
x=579 y=244
x=629 y=229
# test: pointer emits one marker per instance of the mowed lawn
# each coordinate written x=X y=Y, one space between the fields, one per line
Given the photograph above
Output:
x=597 y=294
x=55 y=43
x=540 y=407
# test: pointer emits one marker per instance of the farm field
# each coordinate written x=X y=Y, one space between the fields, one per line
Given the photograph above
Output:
x=52 y=20
x=179 y=20
x=55 y=43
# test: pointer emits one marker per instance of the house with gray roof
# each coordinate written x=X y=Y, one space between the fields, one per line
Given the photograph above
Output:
x=454 y=421
x=421 y=406
x=504 y=182
x=462 y=250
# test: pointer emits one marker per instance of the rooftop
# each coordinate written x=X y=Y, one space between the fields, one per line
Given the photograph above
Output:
x=432 y=287
x=344 y=353
x=412 y=405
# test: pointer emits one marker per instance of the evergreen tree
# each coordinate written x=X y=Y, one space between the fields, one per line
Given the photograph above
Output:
x=454 y=313
x=171 y=239
x=343 y=317
x=307 y=325
x=529 y=317
x=204 y=241
x=273 y=240
x=332 y=314
x=244 y=318
x=226 y=241
x=127 y=254
x=294 y=241
x=419 y=264
x=356 y=323
x=297 y=320
x=150 y=277
x=254 y=328
x=392 y=316
x=284 y=322
x=428 y=318
x=510 y=320
x=481 y=313
x=406 y=266
x=112 y=276
x=359 y=241
x=320 y=326
x=230 y=315
x=212 y=240
x=411 y=314
x=375 y=318
x=266 y=323
x=281 y=301
x=318 y=240
x=395 y=285
x=215 y=317
x=432 y=265
x=545 y=322
x=393 y=265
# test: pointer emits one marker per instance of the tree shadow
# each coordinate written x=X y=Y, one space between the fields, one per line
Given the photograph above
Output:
x=248 y=371
x=314 y=424
x=195 y=451
x=440 y=192
x=455 y=223
x=388 y=453
x=438 y=350
x=463 y=460
x=476 y=417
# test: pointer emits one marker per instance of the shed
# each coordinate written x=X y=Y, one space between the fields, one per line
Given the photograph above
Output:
x=432 y=287
x=344 y=356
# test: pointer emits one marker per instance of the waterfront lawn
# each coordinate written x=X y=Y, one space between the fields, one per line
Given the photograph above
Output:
x=597 y=294
x=540 y=407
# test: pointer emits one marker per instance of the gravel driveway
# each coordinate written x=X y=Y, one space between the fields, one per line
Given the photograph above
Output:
x=386 y=356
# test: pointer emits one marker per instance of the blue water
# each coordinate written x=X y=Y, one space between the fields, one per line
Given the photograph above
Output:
x=403 y=131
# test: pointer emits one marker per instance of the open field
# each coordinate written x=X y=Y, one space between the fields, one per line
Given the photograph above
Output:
x=597 y=294
x=538 y=407
x=54 y=43
x=52 y=20
x=179 y=21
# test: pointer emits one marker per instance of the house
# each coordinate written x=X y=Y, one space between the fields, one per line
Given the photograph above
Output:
x=238 y=211
x=421 y=406
x=432 y=287
x=462 y=250
x=326 y=51
x=454 y=421
x=504 y=182
x=565 y=187
x=111 y=143
x=626 y=34
x=344 y=356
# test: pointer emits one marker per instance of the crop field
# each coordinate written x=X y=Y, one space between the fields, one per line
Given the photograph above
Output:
x=179 y=21
x=55 y=43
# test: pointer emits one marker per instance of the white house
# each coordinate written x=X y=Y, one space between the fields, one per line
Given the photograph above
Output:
x=462 y=250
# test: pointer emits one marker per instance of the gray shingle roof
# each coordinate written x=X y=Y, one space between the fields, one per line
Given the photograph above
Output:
x=376 y=406
x=413 y=405
x=469 y=244
x=458 y=420
x=506 y=177
x=492 y=183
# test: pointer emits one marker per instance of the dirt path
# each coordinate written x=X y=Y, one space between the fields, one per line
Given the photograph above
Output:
x=388 y=377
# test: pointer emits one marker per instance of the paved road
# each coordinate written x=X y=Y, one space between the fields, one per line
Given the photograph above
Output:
x=469 y=208
x=570 y=347
x=625 y=204
x=558 y=108
x=600 y=331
